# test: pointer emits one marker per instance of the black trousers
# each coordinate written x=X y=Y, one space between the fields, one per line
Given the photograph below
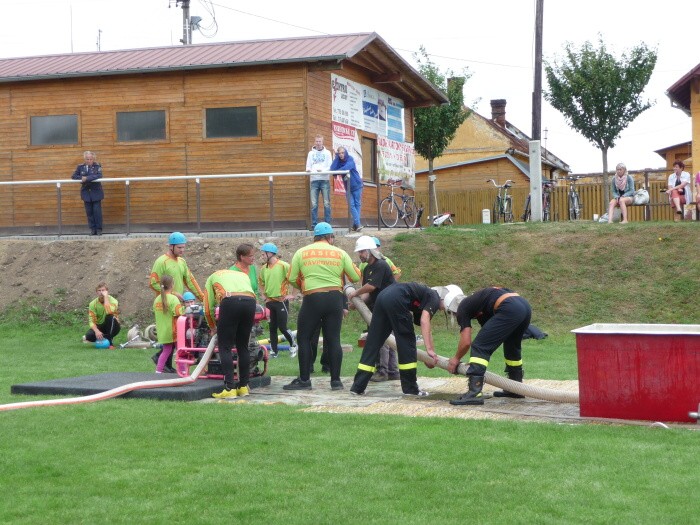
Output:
x=324 y=309
x=506 y=327
x=109 y=328
x=314 y=349
x=390 y=314
x=236 y=319
x=279 y=313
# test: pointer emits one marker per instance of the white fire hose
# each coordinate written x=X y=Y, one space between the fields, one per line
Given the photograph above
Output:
x=557 y=396
x=121 y=390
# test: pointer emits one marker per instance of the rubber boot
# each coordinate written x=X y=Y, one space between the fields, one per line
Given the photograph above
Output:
x=474 y=395
x=515 y=373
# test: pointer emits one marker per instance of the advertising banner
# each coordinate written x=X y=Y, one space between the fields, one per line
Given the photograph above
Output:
x=397 y=162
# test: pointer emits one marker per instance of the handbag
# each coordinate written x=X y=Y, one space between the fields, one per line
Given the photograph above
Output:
x=641 y=197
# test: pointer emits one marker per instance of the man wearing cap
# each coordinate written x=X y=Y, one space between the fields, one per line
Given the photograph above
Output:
x=319 y=271
x=504 y=316
x=274 y=286
x=397 y=309
x=234 y=295
x=173 y=263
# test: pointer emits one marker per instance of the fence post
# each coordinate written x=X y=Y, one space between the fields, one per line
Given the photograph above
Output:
x=58 y=199
x=272 y=205
x=379 y=200
x=647 y=208
x=199 y=207
x=128 y=206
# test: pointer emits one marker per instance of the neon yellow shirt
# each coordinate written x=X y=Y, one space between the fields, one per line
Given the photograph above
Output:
x=218 y=285
x=252 y=273
x=273 y=280
x=166 y=318
x=180 y=272
x=321 y=265
x=98 y=311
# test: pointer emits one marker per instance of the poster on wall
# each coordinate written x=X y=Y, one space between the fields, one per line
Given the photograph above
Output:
x=346 y=136
x=346 y=102
x=394 y=119
x=396 y=162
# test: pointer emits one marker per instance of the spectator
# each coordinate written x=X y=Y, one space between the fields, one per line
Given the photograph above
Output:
x=167 y=308
x=697 y=196
x=103 y=312
x=679 y=191
x=622 y=191
x=319 y=270
x=353 y=185
x=319 y=160
x=245 y=262
x=91 y=191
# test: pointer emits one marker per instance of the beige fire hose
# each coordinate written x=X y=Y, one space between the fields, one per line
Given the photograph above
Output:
x=558 y=396
x=121 y=390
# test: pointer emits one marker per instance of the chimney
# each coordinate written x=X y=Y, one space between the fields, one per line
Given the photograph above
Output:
x=498 y=111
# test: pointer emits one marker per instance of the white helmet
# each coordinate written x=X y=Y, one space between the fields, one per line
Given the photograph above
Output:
x=365 y=243
x=454 y=292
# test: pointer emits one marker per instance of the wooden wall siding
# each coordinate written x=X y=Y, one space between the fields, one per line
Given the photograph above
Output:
x=473 y=176
x=467 y=205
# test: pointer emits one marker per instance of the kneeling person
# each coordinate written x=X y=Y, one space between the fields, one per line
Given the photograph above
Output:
x=504 y=316
x=103 y=317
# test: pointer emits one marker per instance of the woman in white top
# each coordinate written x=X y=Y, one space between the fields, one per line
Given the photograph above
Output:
x=678 y=189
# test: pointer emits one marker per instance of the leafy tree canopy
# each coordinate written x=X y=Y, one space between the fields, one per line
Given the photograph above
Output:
x=435 y=126
x=598 y=94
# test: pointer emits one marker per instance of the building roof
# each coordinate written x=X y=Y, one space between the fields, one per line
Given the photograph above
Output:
x=365 y=50
x=662 y=152
x=525 y=169
x=679 y=93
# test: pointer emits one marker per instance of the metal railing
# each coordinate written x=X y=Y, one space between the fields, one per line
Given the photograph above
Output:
x=127 y=181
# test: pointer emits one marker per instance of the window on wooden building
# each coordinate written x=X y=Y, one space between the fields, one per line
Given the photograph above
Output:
x=53 y=129
x=140 y=125
x=231 y=122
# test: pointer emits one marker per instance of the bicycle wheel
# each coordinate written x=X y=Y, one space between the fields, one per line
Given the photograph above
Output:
x=508 y=209
x=495 y=216
x=410 y=217
x=545 y=209
x=527 y=213
x=574 y=211
x=388 y=212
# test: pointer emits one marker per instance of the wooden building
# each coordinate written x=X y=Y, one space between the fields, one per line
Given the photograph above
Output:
x=484 y=149
x=228 y=108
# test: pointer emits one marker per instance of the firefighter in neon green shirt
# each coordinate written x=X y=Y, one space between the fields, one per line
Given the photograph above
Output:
x=234 y=295
x=273 y=281
x=167 y=308
x=103 y=316
x=319 y=271
x=245 y=262
x=172 y=263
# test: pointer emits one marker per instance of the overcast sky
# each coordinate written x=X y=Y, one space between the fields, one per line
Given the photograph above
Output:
x=493 y=39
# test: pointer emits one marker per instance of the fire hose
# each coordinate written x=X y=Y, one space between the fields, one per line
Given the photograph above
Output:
x=121 y=390
x=557 y=396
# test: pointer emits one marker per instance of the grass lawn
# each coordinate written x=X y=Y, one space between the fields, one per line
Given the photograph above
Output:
x=140 y=461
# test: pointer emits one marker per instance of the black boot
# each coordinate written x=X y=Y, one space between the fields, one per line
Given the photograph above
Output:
x=474 y=395
x=515 y=373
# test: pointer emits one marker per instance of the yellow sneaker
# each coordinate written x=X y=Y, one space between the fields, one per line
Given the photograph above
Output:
x=243 y=391
x=226 y=394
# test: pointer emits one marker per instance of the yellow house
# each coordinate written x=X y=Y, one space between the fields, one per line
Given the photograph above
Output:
x=483 y=149
x=685 y=95
x=671 y=154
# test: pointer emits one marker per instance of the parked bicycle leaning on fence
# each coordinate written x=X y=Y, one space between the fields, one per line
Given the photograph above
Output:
x=547 y=186
x=394 y=207
x=573 y=198
x=503 y=204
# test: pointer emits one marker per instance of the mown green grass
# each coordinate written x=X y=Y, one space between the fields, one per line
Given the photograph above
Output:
x=140 y=461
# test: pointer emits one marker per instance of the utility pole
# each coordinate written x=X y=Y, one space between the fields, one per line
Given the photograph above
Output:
x=537 y=90
x=186 y=27
x=99 y=39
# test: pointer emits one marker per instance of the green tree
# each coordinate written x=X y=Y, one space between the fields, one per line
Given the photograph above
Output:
x=598 y=94
x=435 y=126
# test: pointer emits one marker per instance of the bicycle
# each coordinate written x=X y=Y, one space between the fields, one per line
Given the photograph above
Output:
x=547 y=186
x=574 y=199
x=503 y=205
x=394 y=207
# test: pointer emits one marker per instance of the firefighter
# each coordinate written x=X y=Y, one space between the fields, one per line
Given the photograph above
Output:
x=397 y=309
x=504 y=316
x=318 y=270
x=273 y=283
x=234 y=295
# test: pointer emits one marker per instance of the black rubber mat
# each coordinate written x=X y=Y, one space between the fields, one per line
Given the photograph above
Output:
x=88 y=385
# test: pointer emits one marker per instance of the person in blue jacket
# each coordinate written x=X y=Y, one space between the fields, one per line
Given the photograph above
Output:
x=353 y=184
x=91 y=191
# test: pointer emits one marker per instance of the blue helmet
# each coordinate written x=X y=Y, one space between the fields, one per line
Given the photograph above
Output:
x=177 y=238
x=102 y=344
x=376 y=241
x=188 y=296
x=269 y=247
x=323 y=228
